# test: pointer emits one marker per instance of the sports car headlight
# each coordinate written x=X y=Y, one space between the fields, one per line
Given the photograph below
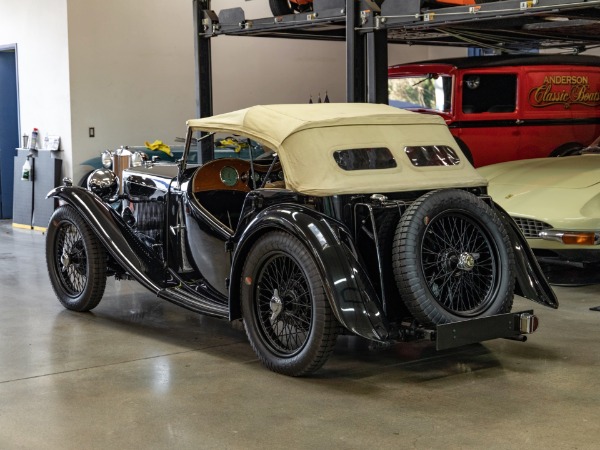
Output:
x=105 y=184
x=106 y=159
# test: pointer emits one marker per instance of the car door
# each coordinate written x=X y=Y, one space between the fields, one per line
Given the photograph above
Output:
x=214 y=199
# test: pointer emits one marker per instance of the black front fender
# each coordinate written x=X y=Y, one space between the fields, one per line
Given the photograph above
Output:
x=123 y=245
x=351 y=295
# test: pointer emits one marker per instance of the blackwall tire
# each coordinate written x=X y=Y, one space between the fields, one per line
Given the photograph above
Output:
x=453 y=259
x=570 y=149
x=281 y=7
x=287 y=317
x=76 y=260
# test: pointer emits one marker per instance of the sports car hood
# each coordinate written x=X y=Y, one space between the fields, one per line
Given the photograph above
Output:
x=563 y=192
x=573 y=172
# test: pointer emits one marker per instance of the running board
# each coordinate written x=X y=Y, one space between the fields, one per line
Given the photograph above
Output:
x=196 y=303
x=510 y=326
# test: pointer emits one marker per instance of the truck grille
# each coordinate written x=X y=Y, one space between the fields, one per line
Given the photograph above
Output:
x=530 y=227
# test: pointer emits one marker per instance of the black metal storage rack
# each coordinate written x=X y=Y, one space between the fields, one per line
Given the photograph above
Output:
x=507 y=25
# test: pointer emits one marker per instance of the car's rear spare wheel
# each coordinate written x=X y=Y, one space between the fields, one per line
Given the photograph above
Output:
x=287 y=317
x=453 y=258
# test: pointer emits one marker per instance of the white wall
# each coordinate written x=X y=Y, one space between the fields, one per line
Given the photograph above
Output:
x=255 y=70
x=132 y=73
x=399 y=54
x=39 y=28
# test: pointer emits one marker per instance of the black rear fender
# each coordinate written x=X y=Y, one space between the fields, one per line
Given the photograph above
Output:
x=352 y=297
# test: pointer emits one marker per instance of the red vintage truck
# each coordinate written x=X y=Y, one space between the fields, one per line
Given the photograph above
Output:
x=503 y=108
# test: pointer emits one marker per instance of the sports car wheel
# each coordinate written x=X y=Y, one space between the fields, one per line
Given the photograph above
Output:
x=287 y=317
x=453 y=259
x=76 y=261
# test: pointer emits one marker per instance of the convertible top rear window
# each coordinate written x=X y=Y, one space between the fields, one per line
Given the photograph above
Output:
x=432 y=155
x=365 y=158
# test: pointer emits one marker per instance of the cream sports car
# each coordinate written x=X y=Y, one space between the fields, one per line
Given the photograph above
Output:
x=555 y=202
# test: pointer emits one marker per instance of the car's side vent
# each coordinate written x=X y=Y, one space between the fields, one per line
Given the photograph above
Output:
x=530 y=227
x=149 y=219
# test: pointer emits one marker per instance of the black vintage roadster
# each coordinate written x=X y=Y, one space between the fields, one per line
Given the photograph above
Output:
x=343 y=218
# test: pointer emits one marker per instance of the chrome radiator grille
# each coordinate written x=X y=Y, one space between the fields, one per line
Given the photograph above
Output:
x=531 y=227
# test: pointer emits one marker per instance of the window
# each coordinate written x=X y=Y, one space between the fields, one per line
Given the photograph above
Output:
x=432 y=155
x=365 y=158
x=427 y=91
x=493 y=93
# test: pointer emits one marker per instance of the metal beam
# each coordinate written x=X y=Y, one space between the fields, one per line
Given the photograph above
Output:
x=355 y=55
x=204 y=98
x=377 y=67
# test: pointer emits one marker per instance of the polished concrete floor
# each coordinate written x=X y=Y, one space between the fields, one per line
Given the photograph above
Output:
x=138 y=372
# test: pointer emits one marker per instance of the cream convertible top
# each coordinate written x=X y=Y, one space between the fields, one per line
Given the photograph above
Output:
x=306 y=136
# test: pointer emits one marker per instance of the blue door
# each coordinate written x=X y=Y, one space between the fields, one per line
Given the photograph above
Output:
x=9 y=129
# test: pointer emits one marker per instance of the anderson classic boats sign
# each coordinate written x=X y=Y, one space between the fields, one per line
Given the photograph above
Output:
x=566 y=90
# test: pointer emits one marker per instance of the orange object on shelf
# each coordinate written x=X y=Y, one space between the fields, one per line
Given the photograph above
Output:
x=457 y=2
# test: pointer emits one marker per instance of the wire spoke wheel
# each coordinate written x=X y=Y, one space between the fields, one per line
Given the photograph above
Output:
x=283 y=304
x=76 y=260
x=459 y=263
x=71 y=259
x=453 y=258
x=286 y=313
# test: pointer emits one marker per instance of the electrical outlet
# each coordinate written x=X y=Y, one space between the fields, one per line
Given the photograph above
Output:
x=92 y=132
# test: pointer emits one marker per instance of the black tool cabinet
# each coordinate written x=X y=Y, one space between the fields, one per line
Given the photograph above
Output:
x=31 y=209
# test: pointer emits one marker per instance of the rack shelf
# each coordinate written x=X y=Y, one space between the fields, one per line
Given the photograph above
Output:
x=510 y=26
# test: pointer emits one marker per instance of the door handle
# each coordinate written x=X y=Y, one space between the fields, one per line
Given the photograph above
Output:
x=176 y=229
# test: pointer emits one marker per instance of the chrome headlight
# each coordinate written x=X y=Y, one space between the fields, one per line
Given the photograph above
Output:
x=138 y=158
x=106 y=159
x=105 y=184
